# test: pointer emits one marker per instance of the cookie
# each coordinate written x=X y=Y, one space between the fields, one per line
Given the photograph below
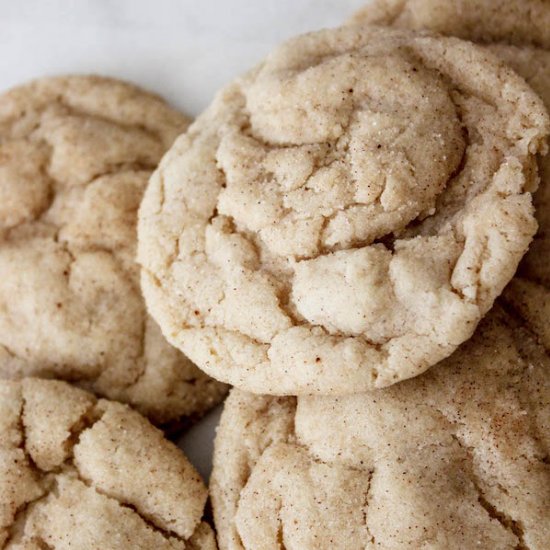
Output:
x=75 y=157
x=316 y=231
x=517 y=32
x=518 y=22
x=529 y=291
x=78 y=472
x=457 y=458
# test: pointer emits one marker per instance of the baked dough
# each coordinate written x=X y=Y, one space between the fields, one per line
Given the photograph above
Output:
x=520 y=32
x=517 y=22
x=457 y=458
x=75 y=156
x=81 y=473
x=316 y=231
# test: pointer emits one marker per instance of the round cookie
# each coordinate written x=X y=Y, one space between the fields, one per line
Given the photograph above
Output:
x=77 y=472
x=75 y=156
x=319 y=232
x=456 y=458
x=517 y=32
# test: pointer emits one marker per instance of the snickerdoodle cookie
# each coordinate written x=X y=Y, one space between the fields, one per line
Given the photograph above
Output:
x=457 y=458
x=343 y=216
x=518 y=22
x=82 y=473
x=75 y=157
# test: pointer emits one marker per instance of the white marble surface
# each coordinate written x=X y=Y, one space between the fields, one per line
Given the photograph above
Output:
x=182 y=49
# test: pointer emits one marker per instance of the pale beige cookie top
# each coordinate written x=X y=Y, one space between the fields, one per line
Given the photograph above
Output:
x=517 y=22
x=85 y=474
x=517 y=27
x=457 y=458
x=342 y=217
x=75 y=157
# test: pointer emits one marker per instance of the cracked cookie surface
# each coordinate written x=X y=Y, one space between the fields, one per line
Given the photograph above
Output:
x=517 y=32
x=319 y=232
x=75 y=157
x=78 y=472
x=456 y=458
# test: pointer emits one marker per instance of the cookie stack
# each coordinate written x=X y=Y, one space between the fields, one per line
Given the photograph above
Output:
x=337 y=236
